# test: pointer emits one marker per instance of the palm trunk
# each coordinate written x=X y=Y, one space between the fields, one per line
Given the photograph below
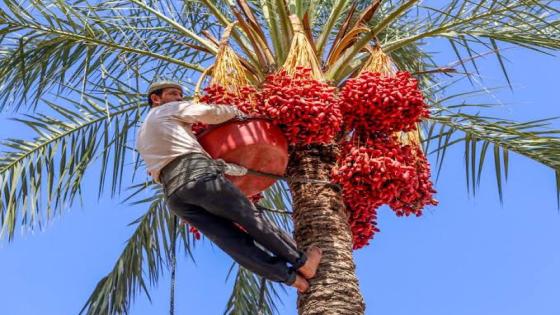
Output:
x=320 y=219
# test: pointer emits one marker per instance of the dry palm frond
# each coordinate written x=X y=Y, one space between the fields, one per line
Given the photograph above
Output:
x=302 y=53
x=198 y=86
x=228 y=70
x=347 y=41
x=379 y=62
x=351 y=30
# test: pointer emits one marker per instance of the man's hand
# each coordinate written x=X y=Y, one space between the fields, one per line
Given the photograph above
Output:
x=235 y=170
x=241 y=116
x=231 y=168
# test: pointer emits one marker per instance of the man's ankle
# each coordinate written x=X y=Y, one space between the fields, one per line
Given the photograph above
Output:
x=300 y=261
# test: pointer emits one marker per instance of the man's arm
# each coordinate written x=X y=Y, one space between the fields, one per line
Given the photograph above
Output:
x=192 y=112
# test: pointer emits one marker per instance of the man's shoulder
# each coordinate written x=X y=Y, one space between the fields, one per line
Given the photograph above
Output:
x=162 y=110
x=177 y=105
x=167 y=111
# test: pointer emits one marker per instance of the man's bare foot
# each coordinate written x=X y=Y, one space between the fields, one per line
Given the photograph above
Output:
x=309 y=269
x=300 y=284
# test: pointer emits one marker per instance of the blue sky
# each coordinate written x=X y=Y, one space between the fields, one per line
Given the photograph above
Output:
x=469 y=255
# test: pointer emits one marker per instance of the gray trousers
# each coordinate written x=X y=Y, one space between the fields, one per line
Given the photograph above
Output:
x=212 y=204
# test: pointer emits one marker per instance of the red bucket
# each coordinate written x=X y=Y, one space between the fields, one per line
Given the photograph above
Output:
x=256 y=144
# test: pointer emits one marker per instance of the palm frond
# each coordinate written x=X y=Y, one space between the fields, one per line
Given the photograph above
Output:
x=150 y=188
x=520 y=22
x=278 y=198
x=64 y=44
x=471 y=24
x=50 y=168
x=271 y=19
x=334 y=15
x=140 y=264
x=526 y=23
x=251 y=294
x=240 y=37
x=171 y=22
x=533 y=139
x=336 y=72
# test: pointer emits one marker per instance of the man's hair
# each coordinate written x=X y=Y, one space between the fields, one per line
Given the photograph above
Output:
x=156 y=92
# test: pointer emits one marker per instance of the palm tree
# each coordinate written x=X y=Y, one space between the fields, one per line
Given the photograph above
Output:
x=82 y=67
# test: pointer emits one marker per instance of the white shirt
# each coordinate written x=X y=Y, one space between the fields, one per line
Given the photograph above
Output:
x=166 y=133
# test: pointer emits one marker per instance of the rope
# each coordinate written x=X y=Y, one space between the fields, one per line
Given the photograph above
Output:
x=173 y=267
x=261 y=295
x=294 y=179
x=263 y=208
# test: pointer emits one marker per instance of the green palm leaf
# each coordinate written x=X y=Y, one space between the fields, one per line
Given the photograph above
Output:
x=533 y=139
x=50 y=168
x=141 y=263
x=251 y=294
x=71 y=45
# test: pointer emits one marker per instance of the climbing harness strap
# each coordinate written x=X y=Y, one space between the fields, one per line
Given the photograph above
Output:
x=294 y=179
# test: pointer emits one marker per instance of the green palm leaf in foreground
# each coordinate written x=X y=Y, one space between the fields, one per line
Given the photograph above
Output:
x=49 y=169
x=82 y=67
x=148 y=247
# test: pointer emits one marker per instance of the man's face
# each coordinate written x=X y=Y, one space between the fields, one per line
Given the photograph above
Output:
x=168 y=95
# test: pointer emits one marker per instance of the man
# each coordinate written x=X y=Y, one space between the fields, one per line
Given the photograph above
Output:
x=197 y=191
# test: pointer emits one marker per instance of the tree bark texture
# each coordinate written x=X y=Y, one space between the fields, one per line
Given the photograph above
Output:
x=320 y=219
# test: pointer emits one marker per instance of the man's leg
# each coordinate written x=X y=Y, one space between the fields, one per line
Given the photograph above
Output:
x=239 y=245
x=279 y=231
x=219 y=196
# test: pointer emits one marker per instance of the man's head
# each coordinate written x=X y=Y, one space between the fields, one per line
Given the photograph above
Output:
x=162 y=92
